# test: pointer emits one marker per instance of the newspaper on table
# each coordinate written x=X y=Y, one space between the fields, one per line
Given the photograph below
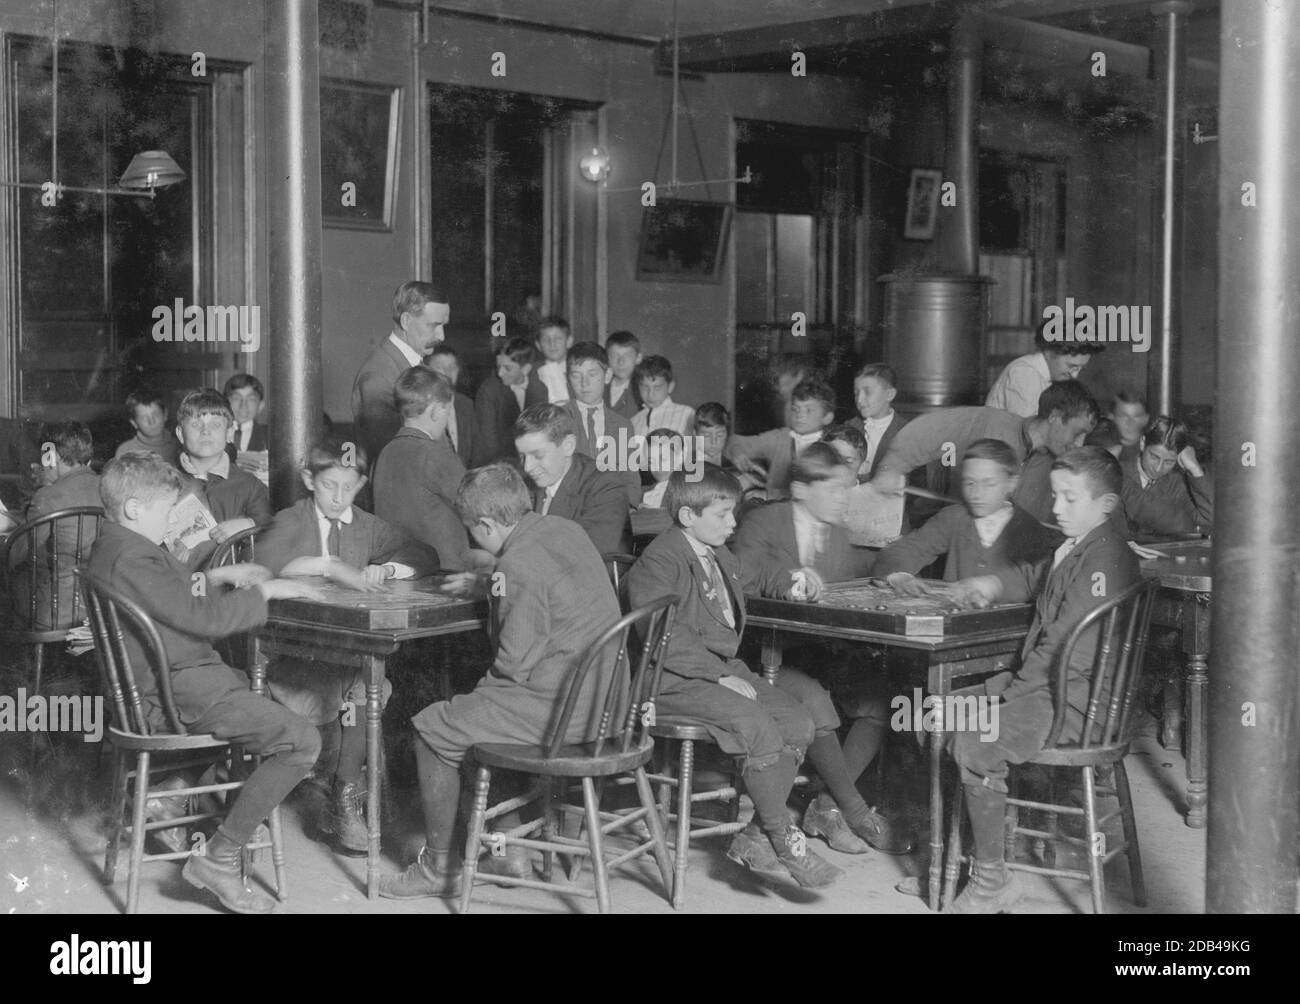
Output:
x=193 y=523
x=873 y=519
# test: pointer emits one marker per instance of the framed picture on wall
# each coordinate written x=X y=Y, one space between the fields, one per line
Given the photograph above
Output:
x=359 y=130
x=683 y=241
x=922 y=204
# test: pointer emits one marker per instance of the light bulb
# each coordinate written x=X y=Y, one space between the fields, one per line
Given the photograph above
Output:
x=595 y=165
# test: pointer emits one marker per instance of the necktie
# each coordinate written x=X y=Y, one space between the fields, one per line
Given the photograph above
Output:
x=1064 y=549
x=720 y=588
x=334 y=538
x=544 y=502
x=591 y=428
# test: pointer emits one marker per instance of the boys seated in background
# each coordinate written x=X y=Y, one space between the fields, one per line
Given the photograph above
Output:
x=705 y=684
x=712 y=433
x=325 y=535
x=417 y=474
x=1166 y=491
x=246 y=397
x=654 y=380
x=848 y=441
x=66 y=449
x=1129 y=413
x=460 y=419
x=771 y=454
x=549 y=383
x=500 y=399
x=236 y=499
x=874 y=389
x=568 y=484
x=788 y=372
x=987 y=533
x=665 y=451
x=1093 y=565
x=624 y=351
x=139 y=493
x=599 y=427
x=148 y=416
x=557 y=602
x=808 y=532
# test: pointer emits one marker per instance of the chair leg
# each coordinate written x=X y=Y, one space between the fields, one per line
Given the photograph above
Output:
x=548 y=827
x=1012 y=819
x=277 y=856
x=685 y=776
x=656 y=828
x=137 y=831
x=470 y=866
x=38 y=667
x=592 y=804
x=1130 y=835
x=117 y=807
x=952 y=868
x=1096 y=842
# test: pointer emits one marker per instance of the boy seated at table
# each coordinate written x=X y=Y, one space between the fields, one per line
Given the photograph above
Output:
x=655 y=383
x=418 y=472
x=247 y=399
x=705 y=684
x=236 y=499
x=148 y=416
x=1093 y=565
x=771 y=454
x=500 y=399
x=556 y=602
x=809 y=532
x=139 y=492
x=326 y=535
x=66 y=449
x=874 y=389
x=602 y=433
x=984 y=534
x=1166 y=491
x=665 y=453
x=623 y=349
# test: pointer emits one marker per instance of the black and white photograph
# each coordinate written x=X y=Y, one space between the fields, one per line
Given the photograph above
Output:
x=742 y=458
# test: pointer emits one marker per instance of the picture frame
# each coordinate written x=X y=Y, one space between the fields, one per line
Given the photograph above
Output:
x=922 y=204
x=683 y=240
x=360 y=129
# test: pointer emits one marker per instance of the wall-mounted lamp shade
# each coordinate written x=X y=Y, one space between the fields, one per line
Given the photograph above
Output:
x=151 y=169
x=595 y=165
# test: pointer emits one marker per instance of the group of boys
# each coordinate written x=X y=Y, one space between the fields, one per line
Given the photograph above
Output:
x=1041 y=516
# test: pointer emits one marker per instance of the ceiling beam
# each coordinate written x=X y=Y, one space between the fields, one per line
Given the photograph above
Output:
x=1069 y=48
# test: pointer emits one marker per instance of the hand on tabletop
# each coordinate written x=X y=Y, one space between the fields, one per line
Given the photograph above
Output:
x=980 y=591
x=808 y=585
x=907 y=584
x=289 y=589
x=242 y=576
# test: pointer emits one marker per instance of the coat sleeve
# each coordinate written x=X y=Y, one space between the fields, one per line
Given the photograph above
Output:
x=279 y=544
x=376 y=410
x=523 y=622
x=754 y=543
x=605 y=514
x=167 y=593
x=914 y=551
x=655 y=575
x=917 y=443
x=392 y=543
x=1022 y=581
x=259 y=504
x=487 y=444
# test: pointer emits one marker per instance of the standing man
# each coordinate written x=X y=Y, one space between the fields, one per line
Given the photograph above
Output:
x=420 y=313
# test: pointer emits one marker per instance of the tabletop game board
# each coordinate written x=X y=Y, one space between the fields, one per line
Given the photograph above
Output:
x=404 y=605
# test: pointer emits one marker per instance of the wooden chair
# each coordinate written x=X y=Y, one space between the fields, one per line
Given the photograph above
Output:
x=1120 y=625
x=41 y=554
x=236 y=650
x=617 y=564
x=112 y=617
x=622 y=746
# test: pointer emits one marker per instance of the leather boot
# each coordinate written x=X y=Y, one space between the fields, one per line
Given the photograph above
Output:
x=804 y=866
x=991 y=889
x=432 y=873
x=823 y=818
x=220 y=871
x=347 y=820
x=751 y=848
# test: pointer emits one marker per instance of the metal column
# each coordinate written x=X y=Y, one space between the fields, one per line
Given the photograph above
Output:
x=960 y=226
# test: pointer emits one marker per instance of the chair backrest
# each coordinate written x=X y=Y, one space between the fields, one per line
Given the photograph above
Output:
x=617 y=564
x=1118 y=628
x=49 y=549
x=234 y=550
x=110 y=613
x=629 y=706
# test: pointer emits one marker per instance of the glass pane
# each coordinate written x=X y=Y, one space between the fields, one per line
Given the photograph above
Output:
x=794 y=268
x=517 y=215
x=753 y=297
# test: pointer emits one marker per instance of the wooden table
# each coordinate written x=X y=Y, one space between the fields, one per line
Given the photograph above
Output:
x=359 y=631
x=958 y=649
x=1183 y=603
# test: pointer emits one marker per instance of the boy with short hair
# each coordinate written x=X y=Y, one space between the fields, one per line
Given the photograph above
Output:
x=148 y=416
x=461 y=430
x=1129 y=413
x=808 y=531
x=417 y=475
x=874 y=390
x=326 y=535
x=1166 y=491
x=600 y=429
x=848 y=441
x=550 y=377
x=139 y=492
x=624 y=351
x=987 y=532
x=705 y=684
x=772 y=454
x=556 y=603
x=568 y=484
x=246 y=396
x=655 y=383
x=1091 y=566
x=500 y=399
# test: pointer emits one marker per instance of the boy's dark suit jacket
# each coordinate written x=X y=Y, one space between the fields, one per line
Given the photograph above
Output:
x=1172 y=504
x=415 y=488
x=952 y=532
x=596 y=501
x=495 y=411
x=125 y=561
x=613 y=422
x=628 y=403
x=766 y=537
x=702 y=646
x=238 y=496
x=535 y=390
x=374 y=409
x=1100 y=567
x=367 y=540
x=466 y=428
x=890 y=432
x=257 y=442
